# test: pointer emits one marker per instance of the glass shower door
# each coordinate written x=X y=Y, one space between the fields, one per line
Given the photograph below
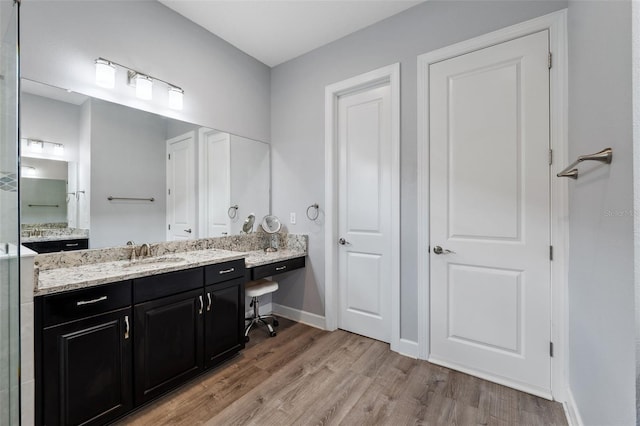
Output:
x=9 y=217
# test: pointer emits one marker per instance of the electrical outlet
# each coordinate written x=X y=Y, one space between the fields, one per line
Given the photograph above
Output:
x=292 y=218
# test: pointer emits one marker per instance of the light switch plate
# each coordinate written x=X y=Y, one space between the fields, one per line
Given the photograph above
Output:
x=292 y=218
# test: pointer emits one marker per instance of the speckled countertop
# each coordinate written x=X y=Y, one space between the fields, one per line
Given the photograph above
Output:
x=57 y=280
x=53 y=238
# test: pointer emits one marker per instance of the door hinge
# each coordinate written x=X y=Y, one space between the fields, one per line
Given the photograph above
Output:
x=551 y=349
x=550 y=252
x=169 y=156
x=550 y=157
x=550 y=60
x=169 y=191
x=169 y=227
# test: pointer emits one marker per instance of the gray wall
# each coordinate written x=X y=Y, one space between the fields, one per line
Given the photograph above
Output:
x=297 y=124
x=50 y=120
x=127 y=160
x=224 y=88
x=601 y=286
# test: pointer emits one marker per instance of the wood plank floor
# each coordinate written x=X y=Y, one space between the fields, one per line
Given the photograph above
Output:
x=307 y=376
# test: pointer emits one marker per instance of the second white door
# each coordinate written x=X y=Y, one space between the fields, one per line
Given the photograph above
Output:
x=364 y=212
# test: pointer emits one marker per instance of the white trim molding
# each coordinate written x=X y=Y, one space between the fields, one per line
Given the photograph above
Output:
x=571 y=410
x=556 y=24
x=386 y=75
x=308 y=318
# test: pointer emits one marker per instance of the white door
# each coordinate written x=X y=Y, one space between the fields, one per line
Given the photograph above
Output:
x=181 y=191
x=216 y=183
x=364 y=212
x=489 y=197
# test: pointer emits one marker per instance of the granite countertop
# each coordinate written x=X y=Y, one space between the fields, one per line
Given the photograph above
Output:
x=53 y=238
x=71 y=278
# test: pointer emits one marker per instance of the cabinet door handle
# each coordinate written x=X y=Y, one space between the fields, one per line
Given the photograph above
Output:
x=90 y=302
x=126 y=325
x=201 y=304
x=226 y=271
x=281 y=268
x=209 y=305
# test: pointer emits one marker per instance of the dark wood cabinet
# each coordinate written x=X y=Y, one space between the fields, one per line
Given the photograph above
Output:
x=87 y=370
x=276 y=268
x=224 y=320
x=104 y=350
x=168 y=343
x=58 y=245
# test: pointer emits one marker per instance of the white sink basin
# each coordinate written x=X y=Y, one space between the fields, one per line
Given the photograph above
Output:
x=154 y=260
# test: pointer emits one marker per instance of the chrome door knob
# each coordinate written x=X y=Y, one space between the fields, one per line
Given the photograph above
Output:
x=343 y=242
x=440 y=250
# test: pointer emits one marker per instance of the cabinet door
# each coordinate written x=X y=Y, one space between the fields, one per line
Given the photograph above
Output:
x=168 y=343
x=224 y=325
x=87 y=370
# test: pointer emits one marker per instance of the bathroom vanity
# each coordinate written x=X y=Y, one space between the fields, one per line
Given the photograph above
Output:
x=113 y=335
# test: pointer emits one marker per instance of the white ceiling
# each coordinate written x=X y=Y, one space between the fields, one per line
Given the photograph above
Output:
x=275 y=31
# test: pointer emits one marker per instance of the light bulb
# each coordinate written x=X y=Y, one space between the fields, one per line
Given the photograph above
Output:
x=28 y=171
x=35 y=146
x=105 y=74
x=175 y=97
x=144 y=87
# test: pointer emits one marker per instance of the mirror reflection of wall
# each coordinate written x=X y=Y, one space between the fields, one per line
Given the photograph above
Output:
x=43 y=191
x=121 y=152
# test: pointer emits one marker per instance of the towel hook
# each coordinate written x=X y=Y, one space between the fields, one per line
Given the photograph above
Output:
x=233 y=211
x=317 y=211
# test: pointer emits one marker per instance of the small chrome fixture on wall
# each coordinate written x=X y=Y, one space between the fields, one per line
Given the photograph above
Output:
x=106 y=77
x=313 y=211
x=603 y=156
x=233 y=211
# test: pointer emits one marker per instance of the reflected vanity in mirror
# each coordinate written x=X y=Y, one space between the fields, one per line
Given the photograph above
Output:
x=134 y=175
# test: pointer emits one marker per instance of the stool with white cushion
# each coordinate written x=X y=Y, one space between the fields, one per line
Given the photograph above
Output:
x=255 y=289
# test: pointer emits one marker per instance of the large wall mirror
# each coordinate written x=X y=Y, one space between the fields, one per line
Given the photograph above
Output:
x=126 y=174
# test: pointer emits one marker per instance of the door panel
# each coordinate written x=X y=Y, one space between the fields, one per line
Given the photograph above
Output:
x=365 y=163
x=181 y=212
x=489 y=191
x=218 y=183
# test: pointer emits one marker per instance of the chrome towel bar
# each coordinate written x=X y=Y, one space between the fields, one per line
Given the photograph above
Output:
x=111 y=198
x=603 y=156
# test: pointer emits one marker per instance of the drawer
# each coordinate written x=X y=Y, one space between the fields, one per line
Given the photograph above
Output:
x=277 y=268
x=76 y=304
x=156 y=286
x=79 y=244
x=223 y=271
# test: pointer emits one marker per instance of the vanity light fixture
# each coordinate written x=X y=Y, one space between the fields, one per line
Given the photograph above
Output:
x=175 y=97
x=28 y=170
x=35 y=145
x=105 y=73
x=39 y=146
x=143 y=85
x=105 y=77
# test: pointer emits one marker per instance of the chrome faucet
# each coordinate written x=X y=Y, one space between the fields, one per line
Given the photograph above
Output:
x=145 y=250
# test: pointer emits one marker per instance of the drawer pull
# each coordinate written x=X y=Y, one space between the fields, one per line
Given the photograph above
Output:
x=90 y=302
x=209 y=304
x=126 y=324
x=201 y=304
x=226 y=271
x=72 y=244
x=281 y=268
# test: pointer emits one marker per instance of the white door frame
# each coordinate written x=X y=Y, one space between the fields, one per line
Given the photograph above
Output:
x=189 y=135
x=203 y=187
x=391 y=75
x=556 y=23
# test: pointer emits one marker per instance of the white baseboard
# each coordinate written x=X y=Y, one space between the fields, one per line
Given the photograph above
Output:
x=407 y=348
x=571 y=410
x=314 y=320
x=265 y=309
